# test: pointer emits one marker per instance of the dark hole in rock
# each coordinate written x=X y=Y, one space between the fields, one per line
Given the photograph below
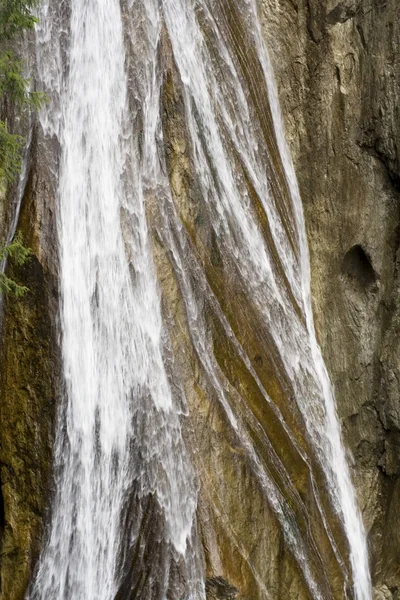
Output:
x=259 y=360
x=357 y=266
x=340 y=14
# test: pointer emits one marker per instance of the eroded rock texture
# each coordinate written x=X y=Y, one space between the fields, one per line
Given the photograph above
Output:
x=338 y=72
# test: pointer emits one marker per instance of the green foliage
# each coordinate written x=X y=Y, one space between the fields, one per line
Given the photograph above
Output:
x=9 y=286
x=13 y=84
x=10 y=155
x=16 y=251
x=15 y=17
x=13 y=87
x=18 y=255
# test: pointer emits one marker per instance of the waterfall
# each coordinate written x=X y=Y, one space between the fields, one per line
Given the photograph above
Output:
x=116 y=385
x=119 y=432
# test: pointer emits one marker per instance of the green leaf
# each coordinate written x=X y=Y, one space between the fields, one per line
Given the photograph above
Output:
x=17 y=254
x=15 y=17
x=13 y=84
x=10 y=155
x=16 y=251
x=9 y=286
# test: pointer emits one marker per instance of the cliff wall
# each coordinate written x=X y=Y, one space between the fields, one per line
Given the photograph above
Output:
x=338 y=73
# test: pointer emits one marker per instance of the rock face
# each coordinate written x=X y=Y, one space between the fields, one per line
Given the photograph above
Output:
x=338 y=73
x=29 y=383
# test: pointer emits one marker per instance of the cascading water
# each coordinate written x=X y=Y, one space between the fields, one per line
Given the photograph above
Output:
x=116 y=384
x=119 y=434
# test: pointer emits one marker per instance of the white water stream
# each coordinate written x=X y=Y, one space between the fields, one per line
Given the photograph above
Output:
x=121 y=424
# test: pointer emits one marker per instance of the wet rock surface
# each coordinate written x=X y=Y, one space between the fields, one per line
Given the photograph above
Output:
x=338 y=72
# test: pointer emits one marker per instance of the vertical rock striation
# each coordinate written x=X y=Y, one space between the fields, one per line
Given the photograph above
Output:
x=338 y=72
